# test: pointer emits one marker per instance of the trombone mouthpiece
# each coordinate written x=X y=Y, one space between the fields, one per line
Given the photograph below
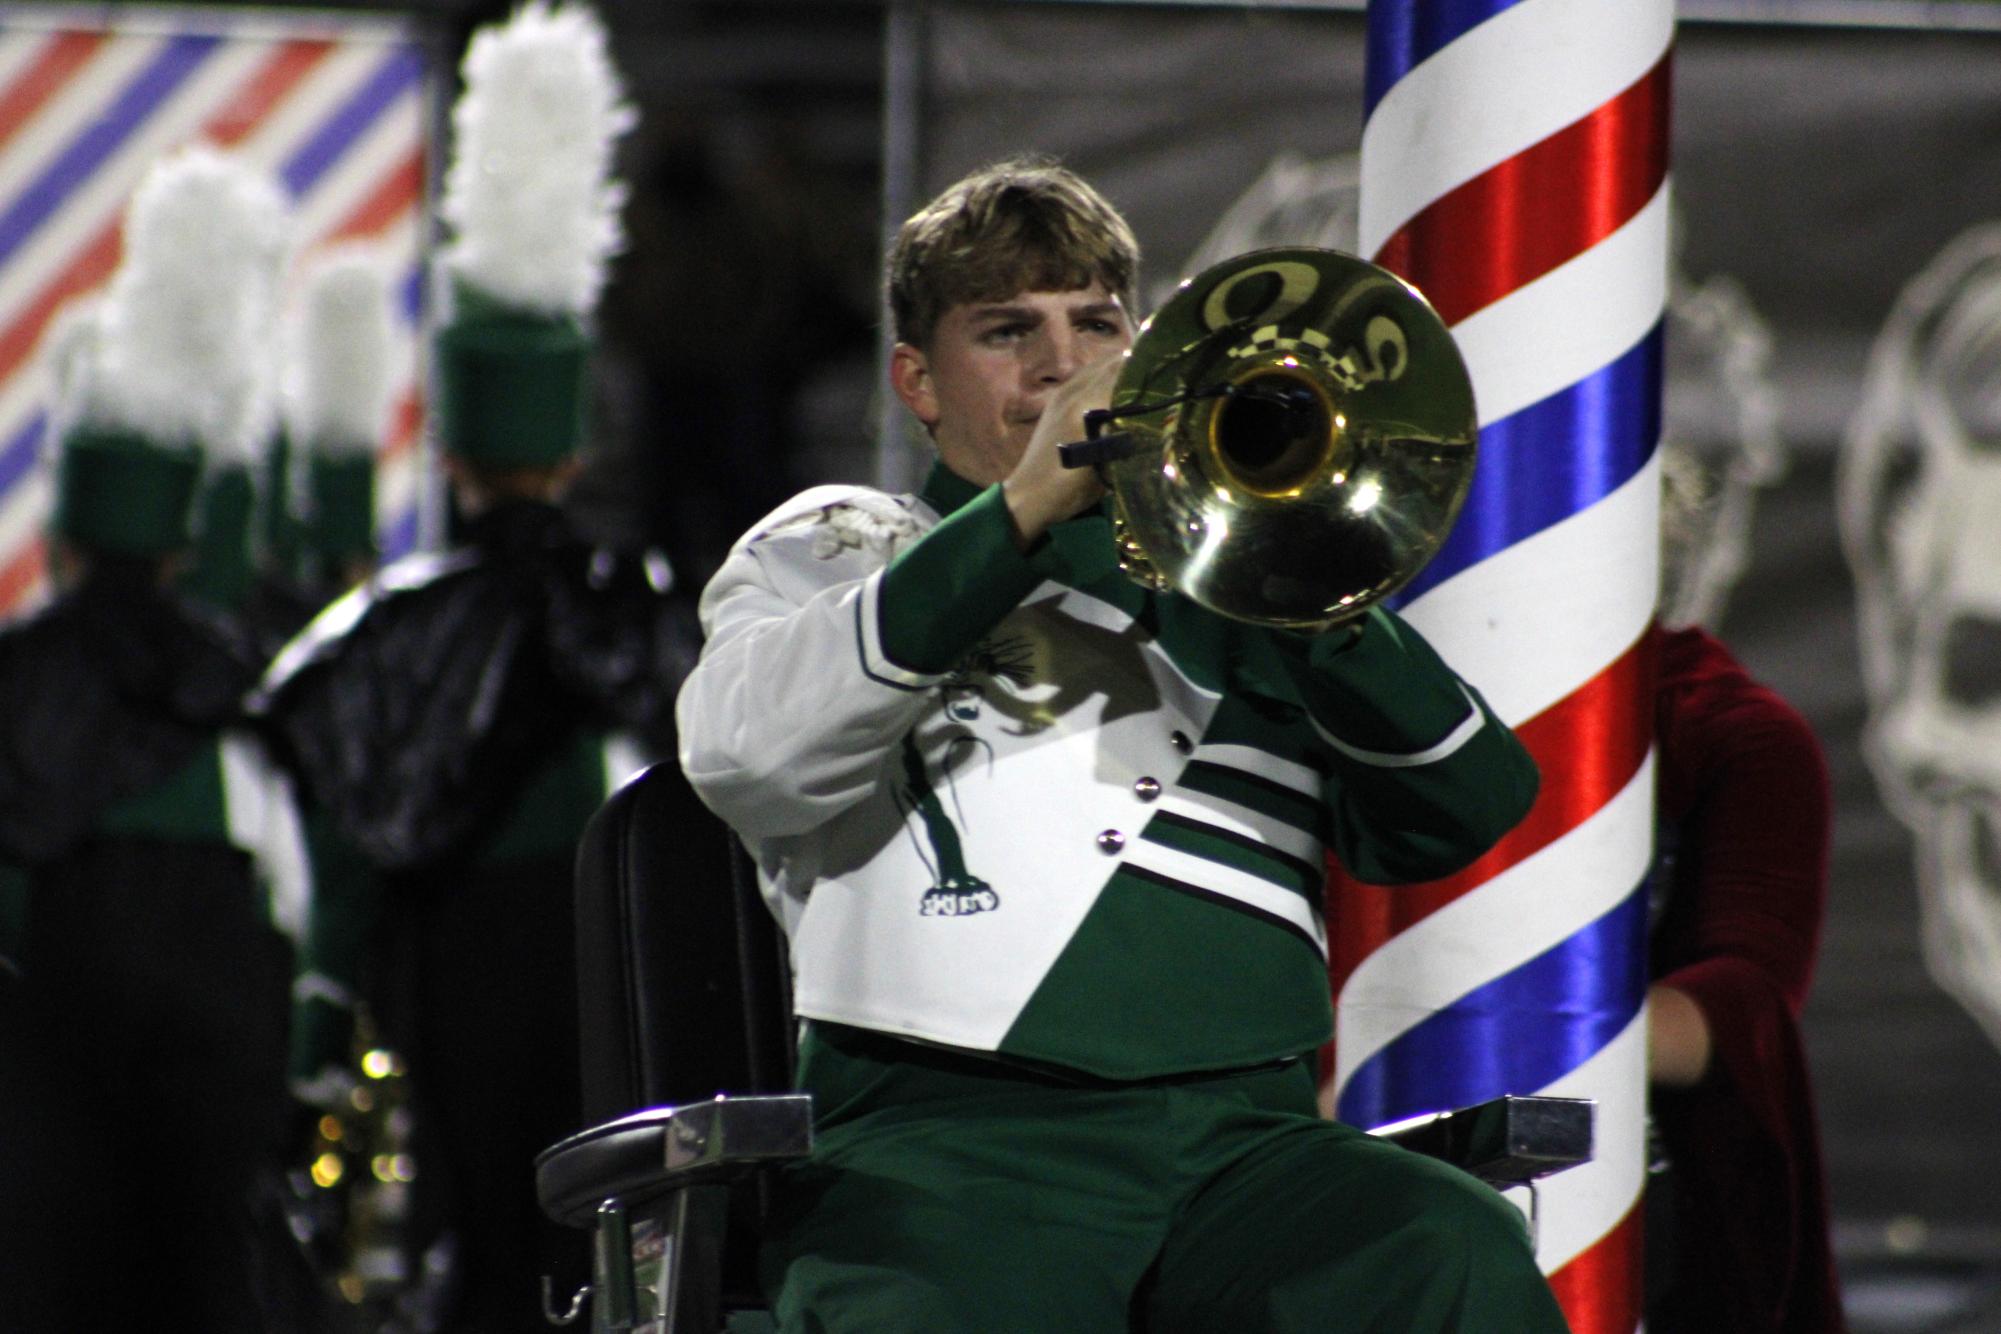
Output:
x=1097 y=449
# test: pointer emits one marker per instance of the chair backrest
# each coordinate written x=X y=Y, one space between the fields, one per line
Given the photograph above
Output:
x=682 y=982
x=770 y=1033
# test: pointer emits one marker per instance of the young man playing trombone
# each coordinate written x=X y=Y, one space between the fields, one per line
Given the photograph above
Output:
x=1047 y=847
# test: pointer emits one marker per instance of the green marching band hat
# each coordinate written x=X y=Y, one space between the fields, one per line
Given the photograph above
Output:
x=222 y=570
x=534 y=216
x=338 y=384
x=166 y=376
x=340 y=523
x=120 y=493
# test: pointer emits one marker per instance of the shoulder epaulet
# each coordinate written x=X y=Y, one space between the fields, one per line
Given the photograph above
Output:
x=844 y=518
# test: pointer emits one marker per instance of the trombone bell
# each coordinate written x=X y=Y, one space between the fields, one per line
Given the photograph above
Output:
x=1302 y=437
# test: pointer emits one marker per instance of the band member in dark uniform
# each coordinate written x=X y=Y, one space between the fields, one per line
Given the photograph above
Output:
x=153 y=852
x=462 y=714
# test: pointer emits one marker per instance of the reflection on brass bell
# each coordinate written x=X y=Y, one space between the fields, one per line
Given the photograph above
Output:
x=1296 y=434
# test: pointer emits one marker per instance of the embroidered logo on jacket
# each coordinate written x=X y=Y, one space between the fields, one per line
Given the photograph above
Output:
x=1009 y=658
x=957 y=891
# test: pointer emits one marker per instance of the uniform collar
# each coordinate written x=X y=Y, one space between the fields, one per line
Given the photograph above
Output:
x=945 y=491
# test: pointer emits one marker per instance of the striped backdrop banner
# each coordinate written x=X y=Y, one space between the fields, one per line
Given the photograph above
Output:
x=339 y=110
x=1514 y=167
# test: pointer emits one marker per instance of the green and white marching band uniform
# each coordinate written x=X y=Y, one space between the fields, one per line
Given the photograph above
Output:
x=1019 y=805
x=1049 y=852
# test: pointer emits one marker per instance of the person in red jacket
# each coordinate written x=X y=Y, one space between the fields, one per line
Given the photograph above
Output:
x=1737 y=1214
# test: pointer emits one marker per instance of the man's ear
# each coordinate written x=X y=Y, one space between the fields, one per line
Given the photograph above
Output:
x=910 y=378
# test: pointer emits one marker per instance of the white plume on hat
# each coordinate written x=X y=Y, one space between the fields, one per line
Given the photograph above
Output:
x=340 y=349
x=188 y=319
x=529 y=193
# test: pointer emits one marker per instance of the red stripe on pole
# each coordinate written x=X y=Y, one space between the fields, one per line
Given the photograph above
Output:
x=394 y=196
x=23 y=574
x=404 y=423
x=65 y=54
x=1588 y=746
x=1546 y=205
x=271 y=84
x=94 y=263
x=1601 y=1288
x=89 y=268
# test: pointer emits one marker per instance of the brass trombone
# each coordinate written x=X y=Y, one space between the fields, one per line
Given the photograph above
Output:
x=1296 y=436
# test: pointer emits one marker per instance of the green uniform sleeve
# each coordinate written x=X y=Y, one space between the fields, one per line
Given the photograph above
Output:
x=1428 y=778
x=945 y=591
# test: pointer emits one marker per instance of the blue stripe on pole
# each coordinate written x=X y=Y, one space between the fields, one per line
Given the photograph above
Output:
x=398 y=74
x=1534 y=469
x=412 y=296
x=1518 y=1034
x=1403 y=35
x=400 y=537
x=18 y=456
x=102 y=137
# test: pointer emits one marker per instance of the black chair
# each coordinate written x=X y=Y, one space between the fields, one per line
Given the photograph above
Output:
x=687 y=1034
x=686 y=1047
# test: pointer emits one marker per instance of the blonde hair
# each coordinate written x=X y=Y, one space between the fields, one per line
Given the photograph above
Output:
x=1022 y=225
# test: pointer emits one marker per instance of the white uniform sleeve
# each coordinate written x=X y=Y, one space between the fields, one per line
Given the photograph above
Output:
x=791 y=713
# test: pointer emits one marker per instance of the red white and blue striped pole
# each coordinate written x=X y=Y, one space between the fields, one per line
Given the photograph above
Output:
x=1514 y=167
x=338 y=112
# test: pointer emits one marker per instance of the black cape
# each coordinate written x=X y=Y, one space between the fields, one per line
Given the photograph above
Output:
x=111 y=690
x=415 y=708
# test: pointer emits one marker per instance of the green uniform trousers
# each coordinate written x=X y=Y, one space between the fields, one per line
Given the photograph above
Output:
x=951 y=1194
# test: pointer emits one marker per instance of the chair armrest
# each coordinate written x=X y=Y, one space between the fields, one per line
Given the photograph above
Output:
x=667 y=1148
x=1505 y=1141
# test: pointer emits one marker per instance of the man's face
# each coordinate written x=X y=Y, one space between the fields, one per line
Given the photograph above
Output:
x=981 y=385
